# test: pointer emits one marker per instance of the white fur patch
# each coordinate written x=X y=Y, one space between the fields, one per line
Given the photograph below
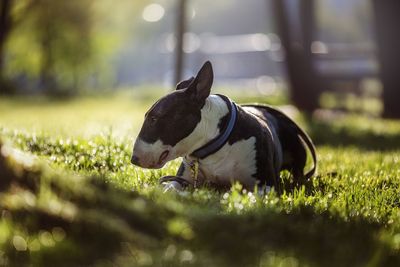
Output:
x=236 y=162
x=214 y=109
x=149 y=154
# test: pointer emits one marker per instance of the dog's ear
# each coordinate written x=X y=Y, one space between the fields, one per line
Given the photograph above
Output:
x=184 y=84
x=200 y=88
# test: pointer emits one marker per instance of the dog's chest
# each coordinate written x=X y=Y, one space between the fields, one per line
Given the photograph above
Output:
x=233 y=162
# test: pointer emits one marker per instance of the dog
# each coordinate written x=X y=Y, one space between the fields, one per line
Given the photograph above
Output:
x=220 y=142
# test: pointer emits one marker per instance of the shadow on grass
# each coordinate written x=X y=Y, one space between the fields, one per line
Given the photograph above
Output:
x=49 y=219
x=367 y=134
x=312 y=238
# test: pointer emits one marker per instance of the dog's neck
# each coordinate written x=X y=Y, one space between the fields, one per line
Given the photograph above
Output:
x=208 y=128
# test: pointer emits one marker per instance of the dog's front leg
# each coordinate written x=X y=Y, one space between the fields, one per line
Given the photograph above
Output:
x=183 y=179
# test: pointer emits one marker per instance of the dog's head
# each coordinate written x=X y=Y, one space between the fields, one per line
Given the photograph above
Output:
x=170 y=120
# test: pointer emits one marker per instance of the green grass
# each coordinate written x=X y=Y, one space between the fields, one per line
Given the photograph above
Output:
x=82 y=203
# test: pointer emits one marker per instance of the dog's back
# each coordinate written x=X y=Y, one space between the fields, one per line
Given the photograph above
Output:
x=293 y=141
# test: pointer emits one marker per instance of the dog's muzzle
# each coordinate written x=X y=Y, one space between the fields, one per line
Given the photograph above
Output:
x=135 y=160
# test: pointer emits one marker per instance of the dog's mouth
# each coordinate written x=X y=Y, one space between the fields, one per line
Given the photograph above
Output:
x=163 y=156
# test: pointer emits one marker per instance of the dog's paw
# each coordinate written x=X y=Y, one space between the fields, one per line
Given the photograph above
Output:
x=171 y=186
x=173 y=183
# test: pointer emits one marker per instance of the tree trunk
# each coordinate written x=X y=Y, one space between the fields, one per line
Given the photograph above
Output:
x=5 y=26
x=48 y=82
x=180 y=31
x=387 y=20
x=296 y=36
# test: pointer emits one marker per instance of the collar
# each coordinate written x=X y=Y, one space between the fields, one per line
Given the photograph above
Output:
x=215 y=144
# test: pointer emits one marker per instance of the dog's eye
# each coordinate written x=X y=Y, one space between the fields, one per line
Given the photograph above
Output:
x=153 y=119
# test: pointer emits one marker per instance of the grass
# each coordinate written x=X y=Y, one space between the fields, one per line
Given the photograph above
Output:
x=80 y=202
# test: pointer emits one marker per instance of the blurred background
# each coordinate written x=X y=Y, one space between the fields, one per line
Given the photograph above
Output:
x=335 y=54
x=77 y=76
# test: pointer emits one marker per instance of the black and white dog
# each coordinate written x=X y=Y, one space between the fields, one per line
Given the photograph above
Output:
x=221 y=142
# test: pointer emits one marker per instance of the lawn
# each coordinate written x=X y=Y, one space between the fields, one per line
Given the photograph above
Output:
x=73 y=198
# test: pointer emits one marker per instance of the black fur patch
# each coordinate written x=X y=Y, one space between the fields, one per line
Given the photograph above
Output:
x=176 y=115
x=293 y=150
x=294 y=142
x=171 y=119
x=248 y=126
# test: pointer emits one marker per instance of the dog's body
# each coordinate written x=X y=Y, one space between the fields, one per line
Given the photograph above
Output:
x=250 y=144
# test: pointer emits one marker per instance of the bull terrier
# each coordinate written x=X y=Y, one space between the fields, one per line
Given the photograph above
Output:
x=220 y=142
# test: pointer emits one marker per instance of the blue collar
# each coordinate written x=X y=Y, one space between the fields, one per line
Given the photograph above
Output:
x=215 y=144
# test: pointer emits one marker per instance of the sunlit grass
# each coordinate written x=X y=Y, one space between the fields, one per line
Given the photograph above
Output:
x=348 y=215
x=84 y=116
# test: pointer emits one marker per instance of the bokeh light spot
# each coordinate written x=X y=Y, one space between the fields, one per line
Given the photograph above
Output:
x=153 y=13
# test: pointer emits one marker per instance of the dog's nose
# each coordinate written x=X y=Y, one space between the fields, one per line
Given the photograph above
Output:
x=135 y=160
